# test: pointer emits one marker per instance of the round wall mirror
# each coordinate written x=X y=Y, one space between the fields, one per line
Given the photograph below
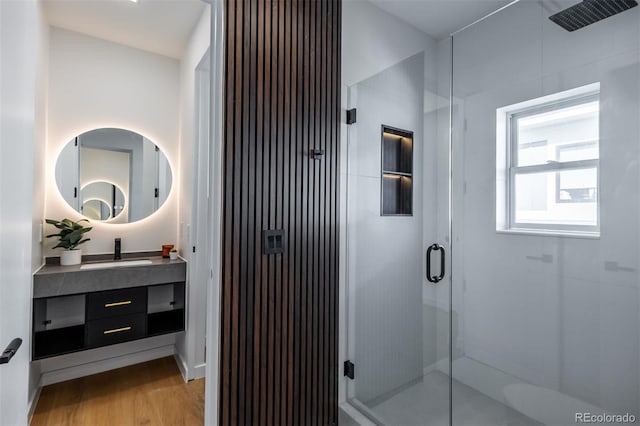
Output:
x=103 y=201
x=96 y=209
x=113 y=174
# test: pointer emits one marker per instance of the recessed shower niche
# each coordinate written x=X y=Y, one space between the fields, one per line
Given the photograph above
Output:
x=397 y=172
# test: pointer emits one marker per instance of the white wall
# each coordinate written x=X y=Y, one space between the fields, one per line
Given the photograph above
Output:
x=373 y=40
x=40 y=142
x=191 y=345
x=96 y=84
x=197 y=47
x=559 y=312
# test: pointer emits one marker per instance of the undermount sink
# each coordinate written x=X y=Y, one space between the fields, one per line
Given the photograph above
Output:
x=115 y=264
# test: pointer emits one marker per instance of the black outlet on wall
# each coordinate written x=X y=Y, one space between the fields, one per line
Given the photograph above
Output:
x=273 y=241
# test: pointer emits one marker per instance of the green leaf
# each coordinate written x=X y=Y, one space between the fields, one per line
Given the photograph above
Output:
x=71 y=233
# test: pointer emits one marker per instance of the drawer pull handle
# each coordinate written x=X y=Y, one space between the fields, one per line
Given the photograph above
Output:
x=116 y=330
x=111 y=305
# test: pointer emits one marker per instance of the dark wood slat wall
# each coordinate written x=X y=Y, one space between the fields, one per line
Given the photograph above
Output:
x=279 y=312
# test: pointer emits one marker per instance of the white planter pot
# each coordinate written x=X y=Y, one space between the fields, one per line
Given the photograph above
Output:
x=71 y=257
x=173 y=255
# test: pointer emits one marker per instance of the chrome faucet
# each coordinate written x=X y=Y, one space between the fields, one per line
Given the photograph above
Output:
x=117 y=250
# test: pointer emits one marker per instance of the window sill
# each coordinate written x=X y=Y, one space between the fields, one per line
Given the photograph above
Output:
x=550 y=233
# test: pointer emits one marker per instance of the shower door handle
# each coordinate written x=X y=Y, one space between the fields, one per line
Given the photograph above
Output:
x=435 y=278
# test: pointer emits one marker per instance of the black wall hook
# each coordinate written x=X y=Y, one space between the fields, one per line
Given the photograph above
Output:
x=317 y=154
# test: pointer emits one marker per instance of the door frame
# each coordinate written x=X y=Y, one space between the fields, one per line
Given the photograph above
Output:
x=213 y=231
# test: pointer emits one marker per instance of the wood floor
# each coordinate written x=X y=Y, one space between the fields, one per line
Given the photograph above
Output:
x=152 y=393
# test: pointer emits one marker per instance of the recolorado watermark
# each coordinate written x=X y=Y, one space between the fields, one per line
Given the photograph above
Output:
x=604 y=418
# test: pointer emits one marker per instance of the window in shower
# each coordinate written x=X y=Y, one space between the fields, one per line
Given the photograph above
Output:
x=550 y=151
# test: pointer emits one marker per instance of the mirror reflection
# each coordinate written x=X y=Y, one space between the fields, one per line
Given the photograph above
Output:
x=96 y=209
x=113 y=174
x=103 y=201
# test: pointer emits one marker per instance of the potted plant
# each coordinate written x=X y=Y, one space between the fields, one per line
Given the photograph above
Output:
x=173 y=254
x=70 y=237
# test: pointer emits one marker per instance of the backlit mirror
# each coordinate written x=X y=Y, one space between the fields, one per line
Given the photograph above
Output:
x=96 y=209
x=103 y=201
x=113 y=175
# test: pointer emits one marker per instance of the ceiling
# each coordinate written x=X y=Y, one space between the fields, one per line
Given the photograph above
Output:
x=159 y=26
x=439 y=18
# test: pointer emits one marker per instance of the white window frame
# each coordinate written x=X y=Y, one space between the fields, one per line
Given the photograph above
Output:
x=507 y=150
x=573 y=146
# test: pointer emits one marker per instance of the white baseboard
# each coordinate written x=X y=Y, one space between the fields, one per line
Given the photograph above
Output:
x=182 y=366
x=33 y=402
x=69 y=373
x=197 y=372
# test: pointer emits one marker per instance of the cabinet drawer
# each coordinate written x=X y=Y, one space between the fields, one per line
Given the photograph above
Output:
x=116 y=302
x=108 y=331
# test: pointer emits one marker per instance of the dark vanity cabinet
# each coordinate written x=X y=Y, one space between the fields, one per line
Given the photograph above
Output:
x=73 y=322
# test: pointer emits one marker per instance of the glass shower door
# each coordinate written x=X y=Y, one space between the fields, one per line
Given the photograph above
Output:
x=397 y=172
x=546 y=219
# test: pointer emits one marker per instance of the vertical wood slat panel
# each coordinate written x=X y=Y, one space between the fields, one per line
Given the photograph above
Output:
x=225 y=380
x=259 y=147
x=293 y=185
x=298 y=335
x=279 y=312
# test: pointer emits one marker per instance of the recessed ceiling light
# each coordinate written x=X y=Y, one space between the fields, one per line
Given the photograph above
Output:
x=135 y=1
